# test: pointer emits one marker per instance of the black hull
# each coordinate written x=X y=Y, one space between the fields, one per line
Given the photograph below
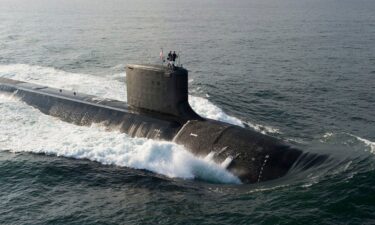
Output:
x=254 y=157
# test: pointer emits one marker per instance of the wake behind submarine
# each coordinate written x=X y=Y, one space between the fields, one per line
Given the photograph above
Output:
x=157 y=108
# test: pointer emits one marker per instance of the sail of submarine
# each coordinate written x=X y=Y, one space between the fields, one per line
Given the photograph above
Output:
x=157 y=108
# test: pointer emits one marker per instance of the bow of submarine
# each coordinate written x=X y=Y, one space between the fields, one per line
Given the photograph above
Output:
x=253 y=157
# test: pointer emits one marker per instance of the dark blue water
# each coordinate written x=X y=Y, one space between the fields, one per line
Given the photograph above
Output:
x=302 y=71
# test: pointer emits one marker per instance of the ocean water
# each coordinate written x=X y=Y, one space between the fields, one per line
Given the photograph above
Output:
x=299 y=70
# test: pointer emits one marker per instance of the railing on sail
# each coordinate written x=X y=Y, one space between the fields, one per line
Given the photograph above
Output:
x=170 y=63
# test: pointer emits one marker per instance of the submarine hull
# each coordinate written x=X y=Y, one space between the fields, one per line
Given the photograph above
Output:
x=253 y=157
x=158 y=108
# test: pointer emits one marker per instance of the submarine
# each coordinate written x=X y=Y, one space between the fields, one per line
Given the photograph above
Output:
x=157 y=108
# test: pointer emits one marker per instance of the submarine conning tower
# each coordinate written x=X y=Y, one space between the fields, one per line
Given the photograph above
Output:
x=159 y=89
